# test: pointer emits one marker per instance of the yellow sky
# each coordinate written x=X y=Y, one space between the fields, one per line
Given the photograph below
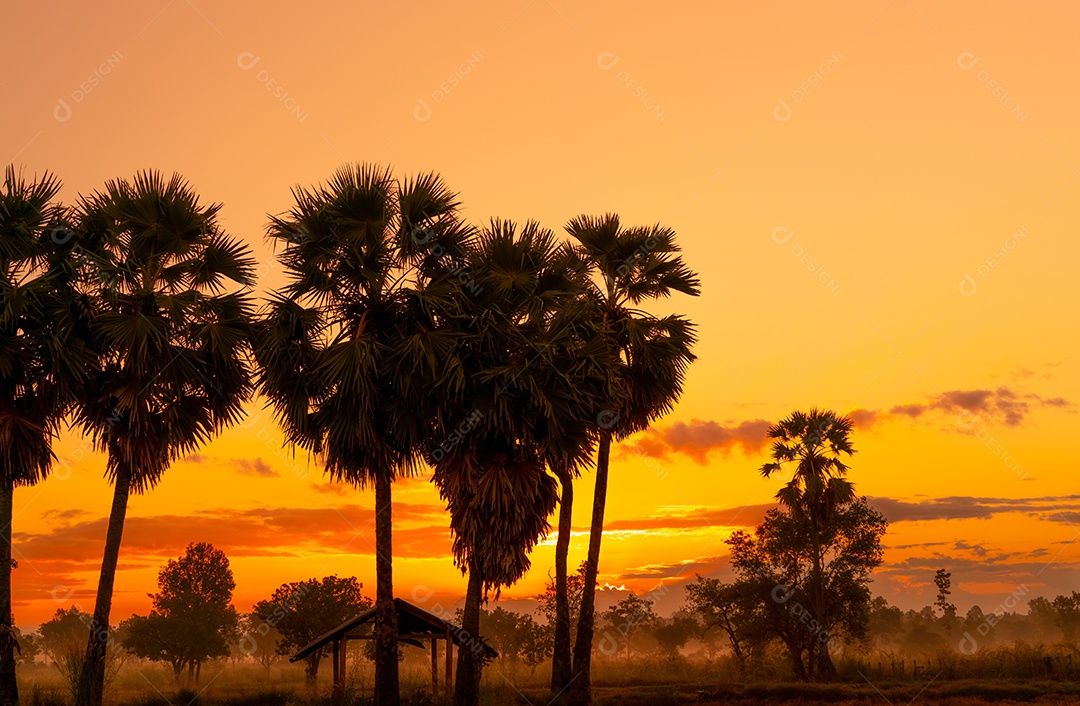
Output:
x=880 y=199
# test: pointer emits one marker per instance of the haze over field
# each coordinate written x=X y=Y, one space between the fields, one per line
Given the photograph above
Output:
x=880 y=200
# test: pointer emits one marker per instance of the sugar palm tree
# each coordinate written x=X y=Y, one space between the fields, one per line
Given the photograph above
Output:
x=43 y=356
x=628 y=267
x=171 y=326
x=528 y=381
x=349 y=348
x=814 y=443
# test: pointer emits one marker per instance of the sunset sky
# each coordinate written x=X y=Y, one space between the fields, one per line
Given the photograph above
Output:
x=881 y=199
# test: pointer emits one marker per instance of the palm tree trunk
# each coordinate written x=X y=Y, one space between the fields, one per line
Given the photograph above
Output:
x=820 y=662
x=92 y=675
x=581 y=686
x=9 y=688
x=387 y=690
x=467 y=679
x=561 y=666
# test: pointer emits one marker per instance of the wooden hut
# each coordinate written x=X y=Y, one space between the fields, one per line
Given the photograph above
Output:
x=415 y=626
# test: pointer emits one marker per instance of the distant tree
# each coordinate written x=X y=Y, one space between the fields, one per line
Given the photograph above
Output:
x=775 y=562
x=192 y=619
x=302 y=611
x=547 y=601
x=732 y=610
x=943 y=581
x=884 y=623
x=62 y=639
x=260 y=641
x=1068 y=615
x=517 y=637
x=64 y=635
x=814 y=443
x=673 y=633
x=626 y=618
x=29 y=646
x=1043 y=617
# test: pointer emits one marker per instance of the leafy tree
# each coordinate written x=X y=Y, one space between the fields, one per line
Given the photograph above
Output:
x=513 y=635
x=885 y=622
x=1043 y=616
x=943 y=581
x=302 y=611
x=192 y=618
x=526 y=390
x=62 y=639
x=42 y=358
x=774 y=564
x=648 y=357
x=1068 y=615
x=172 y=343
x=733 y=610
x=628 y=617
x=29 y=646
x=547 y=602
x=259 y=640
x=673 y=633
x=348 y=349
x=814 y=443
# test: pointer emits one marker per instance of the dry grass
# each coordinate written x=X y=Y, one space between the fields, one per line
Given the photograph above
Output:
x=641 y=683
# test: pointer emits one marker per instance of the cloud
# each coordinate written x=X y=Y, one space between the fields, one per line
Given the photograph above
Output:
x=699 y=438
x=1002 y=405
x=694 y=518
x=253 y=467
x=1063 y=509
x=677 y=570
x=420 y=531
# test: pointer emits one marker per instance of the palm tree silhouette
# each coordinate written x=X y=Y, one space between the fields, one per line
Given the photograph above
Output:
x=814 y=442
x=349 y=349
x=628 y=266
x=173 y=348
x=528 y=385
x=43 y=357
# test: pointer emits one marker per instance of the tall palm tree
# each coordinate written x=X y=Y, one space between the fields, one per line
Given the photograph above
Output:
x=527 y=381
x=43 y=356
x=627 y=267
x=172 y=338
x=814 y=442
x=349 y=348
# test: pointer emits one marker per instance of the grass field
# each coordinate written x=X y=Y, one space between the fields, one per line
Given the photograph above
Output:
x=642 y=684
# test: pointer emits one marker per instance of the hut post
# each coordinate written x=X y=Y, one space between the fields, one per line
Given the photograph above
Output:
x=449 y=664
x=434 y=667
x=339 y=671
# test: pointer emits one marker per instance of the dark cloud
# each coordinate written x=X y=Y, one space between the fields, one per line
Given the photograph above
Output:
x=743 y=516
x=253 y=467
x=1002 y=405
x=699 y=438
x=1061 y=509
x=678 y=570
x=1053 y=509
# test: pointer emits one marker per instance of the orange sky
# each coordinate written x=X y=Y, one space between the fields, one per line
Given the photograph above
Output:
x=880 y=199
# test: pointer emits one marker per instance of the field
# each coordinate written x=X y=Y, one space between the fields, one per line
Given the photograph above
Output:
x=641 y=683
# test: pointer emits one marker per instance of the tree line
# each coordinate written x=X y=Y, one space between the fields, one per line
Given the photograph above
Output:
x=502 y=357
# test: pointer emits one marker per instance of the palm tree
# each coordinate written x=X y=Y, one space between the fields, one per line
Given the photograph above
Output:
x=43 y=356
x=814 y=442
x=628 y=266
x=525 y=387
x=172 y=342
x=349 y=349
